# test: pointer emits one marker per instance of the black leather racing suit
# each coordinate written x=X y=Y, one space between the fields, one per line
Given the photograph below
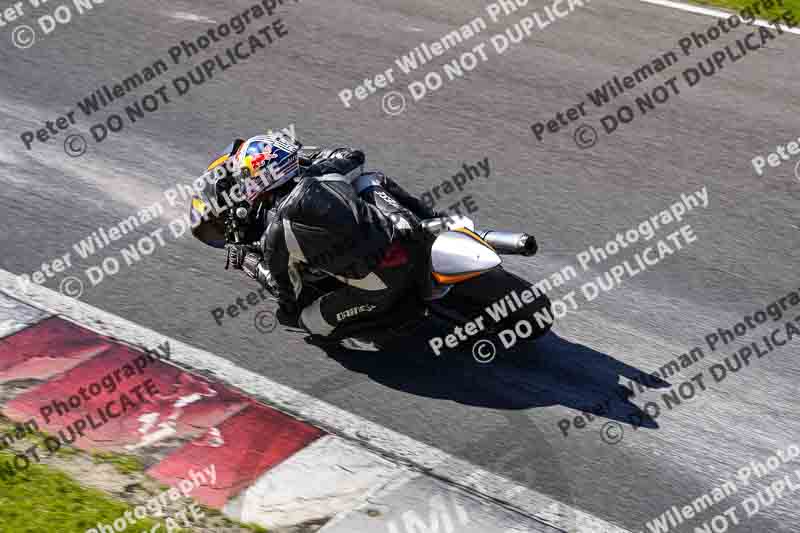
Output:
x=363 y=231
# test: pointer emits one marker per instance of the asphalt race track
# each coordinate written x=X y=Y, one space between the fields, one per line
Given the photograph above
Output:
x=502 y=416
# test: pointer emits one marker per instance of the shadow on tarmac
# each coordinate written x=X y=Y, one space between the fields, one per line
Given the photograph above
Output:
x=550 y=371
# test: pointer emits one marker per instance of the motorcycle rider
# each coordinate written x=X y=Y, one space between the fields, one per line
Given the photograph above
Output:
x=317 y=210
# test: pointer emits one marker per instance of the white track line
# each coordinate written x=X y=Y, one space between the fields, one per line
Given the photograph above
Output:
x=715 y=13
x=347 y=425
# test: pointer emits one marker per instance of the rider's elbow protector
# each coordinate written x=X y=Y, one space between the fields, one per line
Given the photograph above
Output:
x=254 y=267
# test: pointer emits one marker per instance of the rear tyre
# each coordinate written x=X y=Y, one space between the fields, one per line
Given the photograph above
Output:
x=472 y=297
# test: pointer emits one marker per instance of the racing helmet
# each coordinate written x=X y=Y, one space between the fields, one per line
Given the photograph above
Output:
x=266 y=162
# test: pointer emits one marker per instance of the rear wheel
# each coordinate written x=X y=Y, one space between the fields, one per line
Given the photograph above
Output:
x=492 y=295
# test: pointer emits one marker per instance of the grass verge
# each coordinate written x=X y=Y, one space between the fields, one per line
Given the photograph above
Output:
x=42 y=499
x=765 y=11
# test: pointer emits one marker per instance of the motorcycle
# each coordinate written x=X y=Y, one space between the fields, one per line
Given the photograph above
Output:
x=460 y=277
